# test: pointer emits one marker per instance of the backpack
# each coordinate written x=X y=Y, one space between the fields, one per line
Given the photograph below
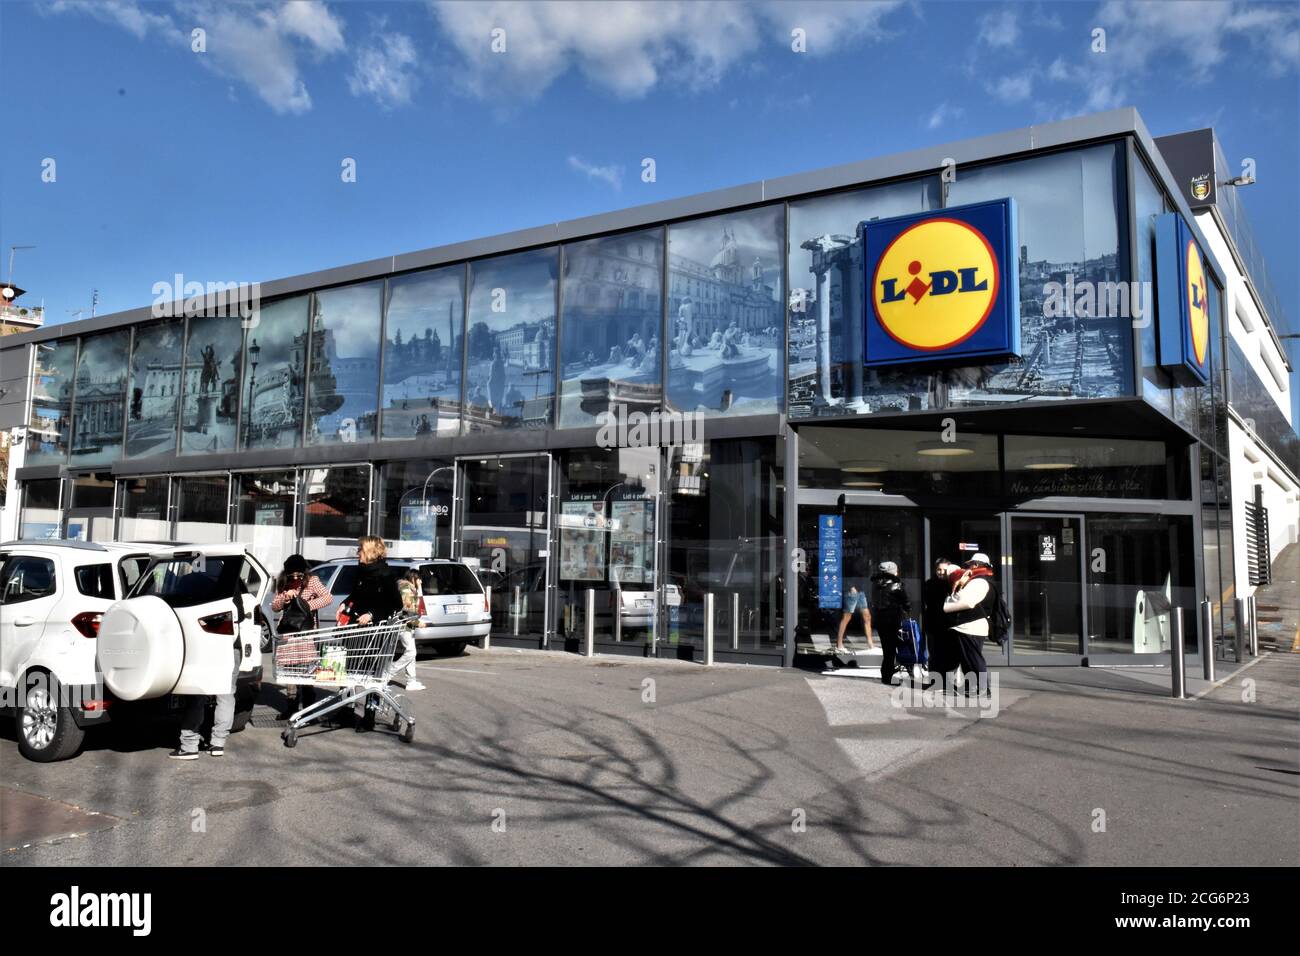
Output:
x=999 y=618
x=296 y=616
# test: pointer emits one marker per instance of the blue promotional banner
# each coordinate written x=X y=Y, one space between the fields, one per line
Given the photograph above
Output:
x=830 y=543
x=942 y=286
x=1182 y=303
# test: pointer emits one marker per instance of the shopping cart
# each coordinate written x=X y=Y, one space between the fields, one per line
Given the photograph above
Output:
x=352 y=662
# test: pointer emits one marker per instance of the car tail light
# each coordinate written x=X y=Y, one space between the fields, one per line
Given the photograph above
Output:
x=421 y=610
x=87 y=623
x=95 y=705
x=486 y=609
x=218 y=623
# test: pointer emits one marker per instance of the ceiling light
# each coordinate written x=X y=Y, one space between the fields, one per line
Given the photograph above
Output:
x=865 y=465
x=1050 y=463
x=863 y=484
x=943 y=449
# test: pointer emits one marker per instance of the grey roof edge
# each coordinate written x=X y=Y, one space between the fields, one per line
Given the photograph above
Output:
x=929 y=159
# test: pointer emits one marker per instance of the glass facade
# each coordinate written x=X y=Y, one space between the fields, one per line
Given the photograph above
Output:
x=202 y=508
x=264 y=514
x=415 y=503
x=1070 y=207
x=51 y=419
x=342 y=387
x=726 y=313
x=42 y=514
x=724 y=536
x=510 y=348
x=98 y=398
x=275 y=366
x=143 y=507
x=612 y=312
x=687 y=316
x=825 y=342
x=424 y=340
x=210 y=385
x=154 y=390
x=336 y=510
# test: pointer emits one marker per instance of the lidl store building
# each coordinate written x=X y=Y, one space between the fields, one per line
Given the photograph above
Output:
x=1056 y=346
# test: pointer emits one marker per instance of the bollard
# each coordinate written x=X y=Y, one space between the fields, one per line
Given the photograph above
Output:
x=1239 y=612
x=487 y=600
x=1176 y=653
x=618 y=615
x=735 y=620
x=1253 y=623
x=517 y=611
x=708 y=629
x=590 y=623
x=1207 y=641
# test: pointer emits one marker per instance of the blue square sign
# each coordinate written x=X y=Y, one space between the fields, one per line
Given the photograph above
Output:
x=942 y=286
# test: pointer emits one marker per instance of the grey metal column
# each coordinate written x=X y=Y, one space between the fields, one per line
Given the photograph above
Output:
x=1176 y=660
x=735 y=620
x=790 y=514
x=1239 y=609
x=1207 y=640
x=708 y=629
x=1253 y=623
x=589 y=625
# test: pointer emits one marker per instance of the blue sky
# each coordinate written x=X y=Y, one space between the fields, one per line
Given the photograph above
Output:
x=225 y=164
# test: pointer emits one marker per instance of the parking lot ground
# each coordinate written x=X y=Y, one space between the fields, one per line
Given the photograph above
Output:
x=548 y=758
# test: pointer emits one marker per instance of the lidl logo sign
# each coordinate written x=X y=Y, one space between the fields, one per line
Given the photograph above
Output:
x=939 y=287
x=1183 y=293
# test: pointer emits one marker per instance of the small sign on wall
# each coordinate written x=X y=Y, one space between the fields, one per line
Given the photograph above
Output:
x=1046 y=547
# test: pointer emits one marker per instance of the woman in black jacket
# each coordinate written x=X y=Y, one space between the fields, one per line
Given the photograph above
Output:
x=375 y=594
x=374 y=597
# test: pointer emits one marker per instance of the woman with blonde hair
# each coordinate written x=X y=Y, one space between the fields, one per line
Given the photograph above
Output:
x=374 y=598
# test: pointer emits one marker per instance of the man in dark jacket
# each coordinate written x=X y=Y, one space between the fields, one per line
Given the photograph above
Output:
x=934 y=593
x=888 y=605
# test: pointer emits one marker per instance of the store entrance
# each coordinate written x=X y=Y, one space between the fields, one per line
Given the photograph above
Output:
x=502 y=522
x=959 y=536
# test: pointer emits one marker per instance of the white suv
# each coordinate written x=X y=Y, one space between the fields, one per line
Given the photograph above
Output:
x=178 y=628
x=69 y=660
x=53 y=595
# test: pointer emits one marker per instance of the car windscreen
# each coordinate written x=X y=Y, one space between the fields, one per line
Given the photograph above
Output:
x=448 y=579
x=186 y=581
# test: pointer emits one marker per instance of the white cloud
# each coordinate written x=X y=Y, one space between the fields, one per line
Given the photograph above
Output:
x=1013 y=89
x=257 y=45
x=610 y=174
x=1000 y=29
x=632 y=46
x=942 y=114
x=385 y=69
x=126 y=14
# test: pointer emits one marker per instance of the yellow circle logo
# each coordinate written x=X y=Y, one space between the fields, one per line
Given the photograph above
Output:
x=935 y=284
x=1198 y=303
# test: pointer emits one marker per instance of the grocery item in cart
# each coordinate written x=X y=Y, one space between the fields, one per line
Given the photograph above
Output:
x=333 y=664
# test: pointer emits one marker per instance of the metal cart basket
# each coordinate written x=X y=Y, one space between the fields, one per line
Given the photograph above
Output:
x=351 y=661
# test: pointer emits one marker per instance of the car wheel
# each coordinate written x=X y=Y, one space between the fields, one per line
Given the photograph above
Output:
x=408 y=734
x=46 y=731
x=452 y=649
x=266 y=639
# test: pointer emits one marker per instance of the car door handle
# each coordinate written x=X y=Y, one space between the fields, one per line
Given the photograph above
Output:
x=25 y=621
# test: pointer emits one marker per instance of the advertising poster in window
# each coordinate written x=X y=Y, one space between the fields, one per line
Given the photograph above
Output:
x=417 y=522
x=582 y=540
x=269 y=514
x=631 y=542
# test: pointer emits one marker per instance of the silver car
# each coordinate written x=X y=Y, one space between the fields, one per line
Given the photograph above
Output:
x=453 y=609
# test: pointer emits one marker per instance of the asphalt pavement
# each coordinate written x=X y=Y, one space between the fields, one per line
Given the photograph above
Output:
x=528 y=757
